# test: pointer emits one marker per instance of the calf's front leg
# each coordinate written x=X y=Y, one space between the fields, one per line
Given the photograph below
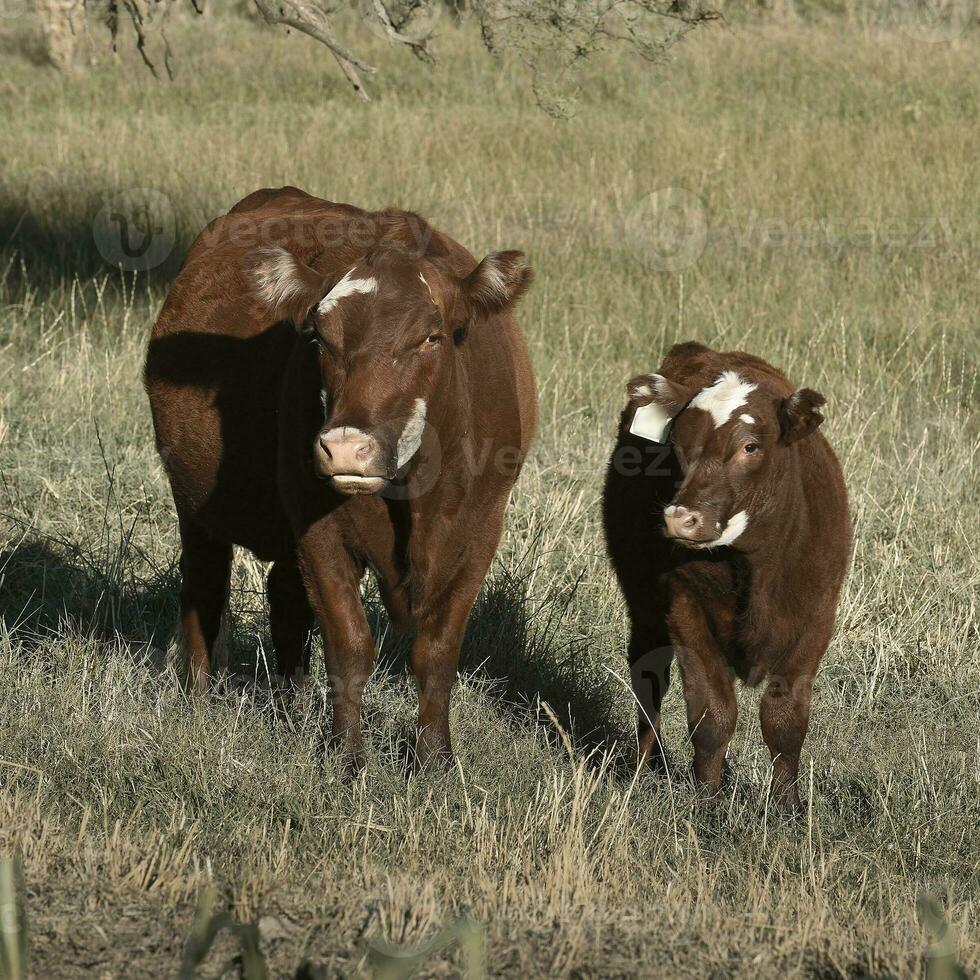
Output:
x=784 y=712
x=708 y=693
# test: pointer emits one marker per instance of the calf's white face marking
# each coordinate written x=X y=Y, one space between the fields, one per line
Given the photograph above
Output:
x=720 y=400
x=411 y=437
x=346 y=287
x=747 y=419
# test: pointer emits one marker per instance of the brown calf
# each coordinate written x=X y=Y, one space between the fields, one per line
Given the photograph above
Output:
x=727 y=524
x=336 y=389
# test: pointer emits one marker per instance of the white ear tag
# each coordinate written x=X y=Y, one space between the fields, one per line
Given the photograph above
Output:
x=651 y=422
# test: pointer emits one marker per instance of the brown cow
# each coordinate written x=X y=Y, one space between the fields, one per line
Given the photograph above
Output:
x=336 y=389
x=727 y=524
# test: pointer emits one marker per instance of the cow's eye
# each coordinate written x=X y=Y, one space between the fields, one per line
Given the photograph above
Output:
x=325 y=348
x=433 y=340
x=751 y=447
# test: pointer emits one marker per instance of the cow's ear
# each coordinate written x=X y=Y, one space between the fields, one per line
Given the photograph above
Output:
x=646 y=389
x=798 y=415
x=497 y=283
x=288 y=287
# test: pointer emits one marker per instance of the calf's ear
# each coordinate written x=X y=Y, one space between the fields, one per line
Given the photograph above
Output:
x=655 y=400
x=287 y=287
x=497 y=283
x=646 y=389
x=798 y=415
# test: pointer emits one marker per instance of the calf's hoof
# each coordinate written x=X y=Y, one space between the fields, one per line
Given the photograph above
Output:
x=196 y=683
x=656 y=762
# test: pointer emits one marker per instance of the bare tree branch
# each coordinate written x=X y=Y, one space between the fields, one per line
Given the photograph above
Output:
x=554 y=38
x=144 y=17
x=309 y=19
x=418 y=43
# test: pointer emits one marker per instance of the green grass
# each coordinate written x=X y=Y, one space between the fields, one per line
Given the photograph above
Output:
x=836 y=174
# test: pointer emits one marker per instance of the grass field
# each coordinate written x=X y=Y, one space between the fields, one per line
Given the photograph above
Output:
x=828 y=181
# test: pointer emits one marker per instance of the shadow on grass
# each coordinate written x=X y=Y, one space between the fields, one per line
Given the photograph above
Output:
x=519 y=643
x=41 y=252
x=50 y=588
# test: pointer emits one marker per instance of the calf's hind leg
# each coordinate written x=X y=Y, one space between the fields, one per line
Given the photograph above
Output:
x=650 y=655
x=205 y=566
x=291 y=620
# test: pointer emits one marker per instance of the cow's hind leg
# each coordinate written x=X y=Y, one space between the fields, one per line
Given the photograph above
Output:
x=205 y=566
x=650 y=656
x=291 y=621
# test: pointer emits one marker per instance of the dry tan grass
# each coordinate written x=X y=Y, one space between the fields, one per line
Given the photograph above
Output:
x=834 y=171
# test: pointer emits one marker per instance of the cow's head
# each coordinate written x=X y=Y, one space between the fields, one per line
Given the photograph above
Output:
x=732 y=440
x=388 y=332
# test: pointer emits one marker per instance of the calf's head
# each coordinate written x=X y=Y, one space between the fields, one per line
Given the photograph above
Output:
x=733 y=440
x=388 y=331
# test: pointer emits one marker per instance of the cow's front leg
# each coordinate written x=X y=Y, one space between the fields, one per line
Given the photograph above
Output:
x=435 y=661
x=708 y=693
x=331 y=579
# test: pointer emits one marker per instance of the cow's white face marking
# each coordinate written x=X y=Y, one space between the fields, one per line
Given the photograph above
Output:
x=411 y=437
x=344 y=432
x=346 y=287
x=747 y=419
x=720 y=400
x=425 y=283
x=733 y=530
x=278 y=276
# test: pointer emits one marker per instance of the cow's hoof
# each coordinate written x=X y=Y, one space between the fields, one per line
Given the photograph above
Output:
x=351 y=759
x=432 y=758
x=788 y=806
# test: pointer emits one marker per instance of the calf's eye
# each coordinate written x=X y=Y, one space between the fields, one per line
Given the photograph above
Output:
x=433 y=339
x=751 y=447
